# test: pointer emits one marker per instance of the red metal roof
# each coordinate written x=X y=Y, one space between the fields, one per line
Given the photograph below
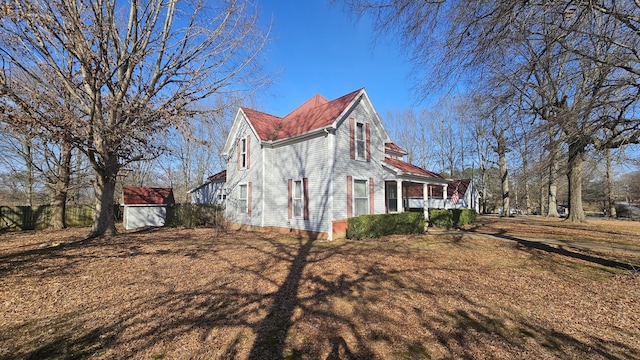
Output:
x=222 y=175
x=394 y=147
x=147 y=196
x=315 y=113
x=410 y=168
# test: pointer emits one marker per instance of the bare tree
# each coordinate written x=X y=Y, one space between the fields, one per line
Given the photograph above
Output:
x=137 y=69
x=577 y=60
x=410 y=130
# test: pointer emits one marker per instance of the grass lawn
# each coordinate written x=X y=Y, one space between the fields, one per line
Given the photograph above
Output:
x=202 y=293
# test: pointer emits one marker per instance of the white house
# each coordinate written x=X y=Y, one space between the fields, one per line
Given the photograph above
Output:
x=309 y=171
x=211 y=191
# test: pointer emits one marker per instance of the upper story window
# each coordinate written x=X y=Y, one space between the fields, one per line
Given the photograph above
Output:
x=360 y=141
x=243 y=153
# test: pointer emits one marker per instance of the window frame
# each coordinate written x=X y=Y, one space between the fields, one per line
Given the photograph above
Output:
x=357 y=199
x=360 y=138
x=392 y=202
x=243 y=153
x=297 y=202
x=243 y=203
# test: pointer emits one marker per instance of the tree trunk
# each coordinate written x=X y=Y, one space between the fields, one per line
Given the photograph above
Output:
x=574 y=175
x=501 y=150
x=504 y=179
x=611 y=204
x=59 y=203
x=484 y=190
x=552 y=208
x=105 y=188
x=542 y=200
x=527 y=197
x=30 y=176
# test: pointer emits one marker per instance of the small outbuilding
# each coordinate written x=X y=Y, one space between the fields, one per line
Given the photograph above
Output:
x=145 y=206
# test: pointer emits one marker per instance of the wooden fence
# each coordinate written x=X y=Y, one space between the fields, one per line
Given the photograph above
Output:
x=15 y=218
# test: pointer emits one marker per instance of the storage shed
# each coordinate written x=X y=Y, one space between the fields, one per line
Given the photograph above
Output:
x=145 y=206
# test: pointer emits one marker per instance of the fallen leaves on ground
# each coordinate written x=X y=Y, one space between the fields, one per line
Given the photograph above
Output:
x=210 y=294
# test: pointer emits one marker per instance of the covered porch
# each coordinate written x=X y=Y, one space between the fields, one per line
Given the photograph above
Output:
x=407 y=179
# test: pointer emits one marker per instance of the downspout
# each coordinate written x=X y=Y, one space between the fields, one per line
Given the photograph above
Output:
x=264 y=179
x=331 y=164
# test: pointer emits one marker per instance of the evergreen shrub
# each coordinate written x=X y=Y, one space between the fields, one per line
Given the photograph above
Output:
x=375 y=226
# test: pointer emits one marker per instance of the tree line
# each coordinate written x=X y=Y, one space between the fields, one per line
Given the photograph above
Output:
x=110 y=79
x=556 y=78
x=99 y=91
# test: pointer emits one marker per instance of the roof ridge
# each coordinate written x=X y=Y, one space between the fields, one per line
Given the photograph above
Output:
x=313 y=102
x=315 y=113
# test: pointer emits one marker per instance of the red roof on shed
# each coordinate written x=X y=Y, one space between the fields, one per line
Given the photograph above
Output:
x=314 y=114
x=147 y=196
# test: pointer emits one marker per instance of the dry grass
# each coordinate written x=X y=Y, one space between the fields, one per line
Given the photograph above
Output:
x=596 y=229
x=198 y=293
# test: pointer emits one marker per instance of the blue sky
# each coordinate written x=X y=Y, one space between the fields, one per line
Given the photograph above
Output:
x=321 y=48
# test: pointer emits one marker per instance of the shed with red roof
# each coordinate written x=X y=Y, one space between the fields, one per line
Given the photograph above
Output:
x=145 y=206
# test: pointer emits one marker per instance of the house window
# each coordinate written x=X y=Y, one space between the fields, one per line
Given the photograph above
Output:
x=392 y=197
x=243 y=153
x=298 y=200
x=360 y=141
x=360 y=197
x=242 y=199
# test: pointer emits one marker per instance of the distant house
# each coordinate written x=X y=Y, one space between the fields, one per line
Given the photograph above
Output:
x=311 y=170
x=466 y=196
x=145 y=206
x=211 y=191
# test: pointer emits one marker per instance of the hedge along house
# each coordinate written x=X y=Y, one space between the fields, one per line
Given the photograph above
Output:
x=145 y=206
x=309 y=171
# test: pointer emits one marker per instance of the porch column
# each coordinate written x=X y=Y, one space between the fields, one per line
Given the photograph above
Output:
x=399 y=197
x=425 y=199
x=444 y=195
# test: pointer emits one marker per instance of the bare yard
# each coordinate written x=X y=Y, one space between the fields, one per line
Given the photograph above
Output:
x=201 y=293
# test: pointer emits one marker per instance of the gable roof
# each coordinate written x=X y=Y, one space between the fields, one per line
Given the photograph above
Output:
x=220 y=177
x=410 y=169
x=315 y=113
x=392 y=148
x=147 y=196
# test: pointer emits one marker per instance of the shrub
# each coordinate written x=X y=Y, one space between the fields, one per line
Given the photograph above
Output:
x=441 y=218
x=448 y=218
x=193 y=215
x=375 y=226
x=463 y=217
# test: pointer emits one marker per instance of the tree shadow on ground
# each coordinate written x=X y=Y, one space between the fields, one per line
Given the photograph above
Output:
x=286 y=288
x=561 y=250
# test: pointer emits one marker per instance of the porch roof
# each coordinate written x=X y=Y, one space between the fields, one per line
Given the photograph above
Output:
x=409 y=172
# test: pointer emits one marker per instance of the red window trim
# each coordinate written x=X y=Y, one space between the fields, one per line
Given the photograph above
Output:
x=305 y=199
x=349 y=196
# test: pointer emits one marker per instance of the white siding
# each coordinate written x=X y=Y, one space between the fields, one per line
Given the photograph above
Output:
x=208 y=194
x=236 y=176
x=358 y=169
x=137 y=216
x=295 y=161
